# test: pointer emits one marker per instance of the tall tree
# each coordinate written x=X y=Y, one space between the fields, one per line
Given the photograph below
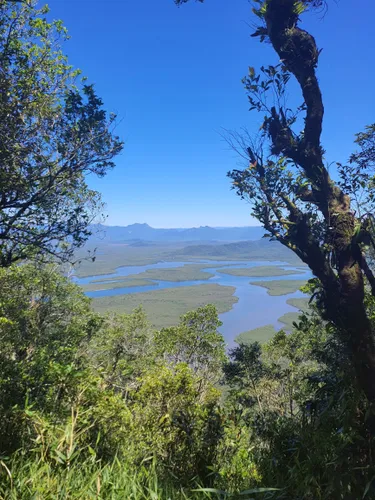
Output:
x=289 y=186
x=53 y=133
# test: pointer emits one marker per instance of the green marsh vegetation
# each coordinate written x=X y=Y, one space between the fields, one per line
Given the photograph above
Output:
x=260 y=250
x=109 y=285
x=262 y=335
x=108 y=257
x=265 y=333
x=188 y=272
x=261 y=271
x=107 y=406
x=165 y=306
x=302 y=304
x=280 y=287
x=288 y=319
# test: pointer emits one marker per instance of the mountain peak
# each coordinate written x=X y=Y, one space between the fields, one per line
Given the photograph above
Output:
x=140 y=225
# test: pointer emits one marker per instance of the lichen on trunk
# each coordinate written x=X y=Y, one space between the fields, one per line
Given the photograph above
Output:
x=292 y=192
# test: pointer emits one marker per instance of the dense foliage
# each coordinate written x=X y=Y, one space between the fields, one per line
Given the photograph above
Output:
x=104 y=403
x=106 y=406
x=292 y=192
x=53 y=132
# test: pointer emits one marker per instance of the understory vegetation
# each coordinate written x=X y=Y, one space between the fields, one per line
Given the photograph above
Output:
x=102 y=406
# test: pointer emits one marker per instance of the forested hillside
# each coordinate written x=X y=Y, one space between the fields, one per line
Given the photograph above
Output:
x=105 y=406
x=243 y=250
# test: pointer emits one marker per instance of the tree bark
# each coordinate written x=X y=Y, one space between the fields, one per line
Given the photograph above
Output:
x=344 y=286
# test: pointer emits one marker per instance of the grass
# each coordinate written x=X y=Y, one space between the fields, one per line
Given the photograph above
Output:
x=37 y=479
x=280 y=287
x=164 y=307
x=261 y=271
x=262 y=335
x=107 y=285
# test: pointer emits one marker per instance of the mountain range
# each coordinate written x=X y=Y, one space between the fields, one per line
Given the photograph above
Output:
x=144 y=232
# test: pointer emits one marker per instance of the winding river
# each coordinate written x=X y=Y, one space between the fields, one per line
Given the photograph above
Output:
x=255 y=308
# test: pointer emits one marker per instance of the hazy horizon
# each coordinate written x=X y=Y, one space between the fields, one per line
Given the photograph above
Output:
x=256 y=224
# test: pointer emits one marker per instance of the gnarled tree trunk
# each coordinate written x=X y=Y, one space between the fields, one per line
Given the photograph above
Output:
x=344 y=286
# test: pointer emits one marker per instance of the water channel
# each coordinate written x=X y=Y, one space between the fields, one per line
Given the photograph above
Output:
x=255 y=308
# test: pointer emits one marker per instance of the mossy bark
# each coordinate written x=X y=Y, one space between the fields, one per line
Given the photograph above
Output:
x=343 y=282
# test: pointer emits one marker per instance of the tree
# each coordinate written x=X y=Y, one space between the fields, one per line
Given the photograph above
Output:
x=365 y=158
x=123 y=349
x=174 y=422
x=195 y=341
x=290 y=189
x=292 y=192
x=45 y=325
x=53 y=133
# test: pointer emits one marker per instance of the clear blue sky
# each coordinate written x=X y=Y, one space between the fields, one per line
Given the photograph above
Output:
x=173 y=75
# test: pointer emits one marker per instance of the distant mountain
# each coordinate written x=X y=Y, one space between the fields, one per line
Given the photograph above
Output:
x=144 y=232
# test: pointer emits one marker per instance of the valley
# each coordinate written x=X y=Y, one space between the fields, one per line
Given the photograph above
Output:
x=124 y=276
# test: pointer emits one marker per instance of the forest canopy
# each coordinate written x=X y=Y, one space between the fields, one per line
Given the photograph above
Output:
x=53 y=133
x=107 y=406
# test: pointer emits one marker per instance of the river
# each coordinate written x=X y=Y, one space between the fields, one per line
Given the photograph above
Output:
x=255 y=308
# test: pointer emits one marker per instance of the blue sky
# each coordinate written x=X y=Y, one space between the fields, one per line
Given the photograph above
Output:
x=173 y=76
